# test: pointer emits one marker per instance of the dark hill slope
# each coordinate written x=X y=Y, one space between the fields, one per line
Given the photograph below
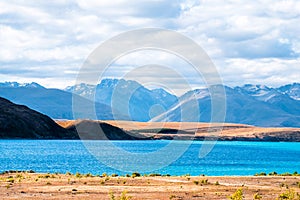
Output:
x=21 y=122
x=18 y=121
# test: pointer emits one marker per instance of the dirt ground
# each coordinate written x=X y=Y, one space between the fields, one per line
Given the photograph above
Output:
x=67 y=186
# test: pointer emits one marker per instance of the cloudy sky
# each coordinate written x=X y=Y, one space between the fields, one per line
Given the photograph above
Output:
x=48 y=41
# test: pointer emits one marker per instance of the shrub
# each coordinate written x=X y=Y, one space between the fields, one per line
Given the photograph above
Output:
x=257 y=196
x=288 y=195
x=237 y=195
x=114 y=175
x=196 y=182
x=217 y=183
x=111 y=195
x=78 y=175
x=286 y=174
x=11 y=180
x=88 y=175
x=272 y=174
x=124 y=196
x=154 y=174
x=204 y=181
x=260 y=174
x=135 y=174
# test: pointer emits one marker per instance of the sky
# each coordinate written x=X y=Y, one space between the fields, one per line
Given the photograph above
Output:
x=47 y=41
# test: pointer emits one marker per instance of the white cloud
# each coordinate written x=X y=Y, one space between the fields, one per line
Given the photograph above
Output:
x=257 y=41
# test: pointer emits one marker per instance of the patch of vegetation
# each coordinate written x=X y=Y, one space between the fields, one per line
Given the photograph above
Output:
x=88 y=175
x=196 y=182
x=289 y=195
x=78 y=175
x=217 y=183
x=172 y=196
x=261 y=174
x=154 y=174
x=114 y=175
x=273 y=174
x=135 y=174
x=68 y=173
x=286 y=174
x=204 y=181
x=276 y=174
x=10 y=180
x=257 y=196
x=44 y=176
x=237 y=195
x=123 y=196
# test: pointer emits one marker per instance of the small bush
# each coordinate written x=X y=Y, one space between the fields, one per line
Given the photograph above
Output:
x=135 y=174
x=288 y=195
x=114 y=175
x=261 y=174
x=196 y=182
x=204 y=181
x=112 y=195
x=257 y=196
x=78 y=175
x=10 y=180
x=154 y=174
x=172 y=196
x=104 y=175
x=273 y=174
x=237 y=195
x=124 y=196
x=88 y=175
x=217 y=183
x=286 y=174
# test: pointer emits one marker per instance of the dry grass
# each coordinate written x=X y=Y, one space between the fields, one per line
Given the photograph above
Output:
x=61 y=186
x=224 y=131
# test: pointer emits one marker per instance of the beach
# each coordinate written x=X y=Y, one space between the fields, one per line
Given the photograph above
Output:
x=24 y=185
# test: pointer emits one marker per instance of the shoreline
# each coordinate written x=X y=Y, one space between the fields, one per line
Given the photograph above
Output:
x=84 y=186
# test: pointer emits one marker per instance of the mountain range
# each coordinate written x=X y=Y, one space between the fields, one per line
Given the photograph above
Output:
x=128 y=100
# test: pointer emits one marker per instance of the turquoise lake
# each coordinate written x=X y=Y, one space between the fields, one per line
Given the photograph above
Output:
x=225 y=158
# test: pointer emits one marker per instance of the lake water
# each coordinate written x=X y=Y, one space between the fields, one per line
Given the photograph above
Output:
x=226 y=158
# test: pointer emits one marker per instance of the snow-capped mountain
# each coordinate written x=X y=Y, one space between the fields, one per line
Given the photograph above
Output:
x=293 y=90
x=20 y=85
x=130 y=97
x=240 y=108
x=249 y=104
x=273 y=96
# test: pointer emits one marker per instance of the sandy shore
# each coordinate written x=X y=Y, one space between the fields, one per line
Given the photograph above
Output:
x=62 y=186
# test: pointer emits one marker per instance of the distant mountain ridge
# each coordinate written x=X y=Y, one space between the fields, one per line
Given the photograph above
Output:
x=130 y=97
x=20 y=85
x=249 y=104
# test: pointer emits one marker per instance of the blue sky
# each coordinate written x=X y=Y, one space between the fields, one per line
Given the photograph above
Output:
x=47 y=41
